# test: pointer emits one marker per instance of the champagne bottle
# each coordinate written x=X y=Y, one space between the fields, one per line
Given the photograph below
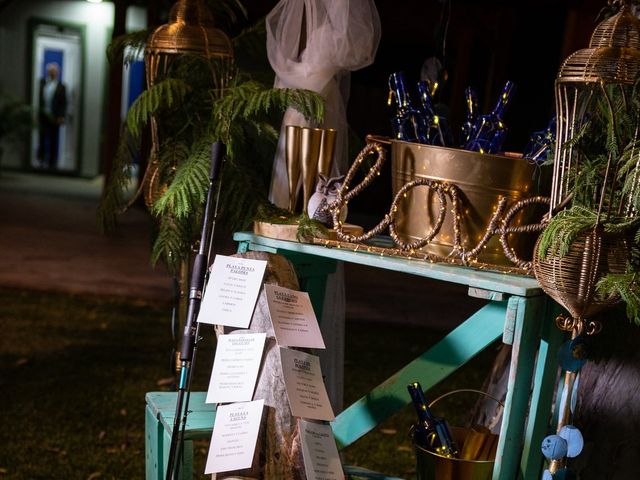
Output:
x=541 y=142
x=407 y=124
x=471 y=100
x=431 y=433
x=489 y=130
x=438 y=132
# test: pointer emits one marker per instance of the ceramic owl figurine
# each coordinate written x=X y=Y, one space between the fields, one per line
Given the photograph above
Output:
x=325 y=194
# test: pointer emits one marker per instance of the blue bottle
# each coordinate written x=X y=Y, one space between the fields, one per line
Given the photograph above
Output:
x=489 y=130
x=541 y=143
x=408 y=124
x=471 y=101
x=438 y=131
x=431 y=433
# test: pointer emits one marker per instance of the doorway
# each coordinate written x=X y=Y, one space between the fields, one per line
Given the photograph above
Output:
x=56 y=101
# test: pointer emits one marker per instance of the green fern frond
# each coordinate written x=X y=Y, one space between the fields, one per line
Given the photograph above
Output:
x=163 y=94
x=251 y=99
x=132 y=43
x=188 y=188
x=565 y=226
x=563 y=229
x=172 y=245
x=627 y=286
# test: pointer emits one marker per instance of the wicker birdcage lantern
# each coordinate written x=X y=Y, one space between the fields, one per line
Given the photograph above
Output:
x=592 y=80
x=190 y=31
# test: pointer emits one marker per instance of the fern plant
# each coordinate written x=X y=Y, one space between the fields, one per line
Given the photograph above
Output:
x=191 y=113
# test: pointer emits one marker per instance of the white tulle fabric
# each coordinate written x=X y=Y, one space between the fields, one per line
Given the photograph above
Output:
x=341 y=36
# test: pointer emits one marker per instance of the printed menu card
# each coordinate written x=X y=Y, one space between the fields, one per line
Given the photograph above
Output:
x=319 y=452
x=305 y=387
x=235 y=432
x=232 y=291
x=294 y=321
x=235 y=367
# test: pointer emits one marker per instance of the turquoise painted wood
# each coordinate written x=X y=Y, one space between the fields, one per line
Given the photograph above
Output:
x=527 y=313
x=542 y=395
x=494 y=281
x=354 y=473
x=160 y=411
x=153 y=445
x=516 y=307
x=433 y=366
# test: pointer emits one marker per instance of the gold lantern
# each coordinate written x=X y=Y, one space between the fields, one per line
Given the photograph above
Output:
x=190 y=31
x=588 y=80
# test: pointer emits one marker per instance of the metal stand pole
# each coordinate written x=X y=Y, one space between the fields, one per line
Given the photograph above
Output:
x=189 y=337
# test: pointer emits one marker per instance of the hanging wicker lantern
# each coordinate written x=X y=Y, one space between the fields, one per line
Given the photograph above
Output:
x=587 y=80
x=613 y=57
x=190 y=31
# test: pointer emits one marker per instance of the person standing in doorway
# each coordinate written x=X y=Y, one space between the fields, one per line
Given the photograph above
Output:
x=52 y=111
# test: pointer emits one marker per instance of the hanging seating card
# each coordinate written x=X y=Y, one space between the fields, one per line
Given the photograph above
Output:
x=235 y=432
x=232 y=291
x=235 y=367
x=294 y=322
x=305 y=387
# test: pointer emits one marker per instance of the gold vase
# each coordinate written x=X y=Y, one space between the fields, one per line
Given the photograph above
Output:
x=327 y=151
x=292 y=156
x=310 y=140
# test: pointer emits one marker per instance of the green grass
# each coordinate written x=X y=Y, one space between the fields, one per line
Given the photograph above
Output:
x=74 y=372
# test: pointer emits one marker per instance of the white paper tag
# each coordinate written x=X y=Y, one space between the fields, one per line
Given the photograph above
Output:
x=235 y=367
x=294 y=322
x=235 y=432
x=305 y=387
x=232 y=291
x=319 y=452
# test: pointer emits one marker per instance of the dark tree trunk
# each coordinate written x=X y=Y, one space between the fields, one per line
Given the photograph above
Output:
x=114 y=93
x=608 y=407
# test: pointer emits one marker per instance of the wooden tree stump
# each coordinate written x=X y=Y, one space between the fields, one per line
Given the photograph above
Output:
x=278 y=452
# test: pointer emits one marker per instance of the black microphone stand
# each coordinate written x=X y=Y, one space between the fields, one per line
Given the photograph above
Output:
x=190 y=335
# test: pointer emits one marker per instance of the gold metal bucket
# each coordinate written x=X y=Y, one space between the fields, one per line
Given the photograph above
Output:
x=431 y=466
x=482 y=179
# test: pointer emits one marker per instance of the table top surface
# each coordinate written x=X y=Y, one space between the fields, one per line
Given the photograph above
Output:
x=509 y=283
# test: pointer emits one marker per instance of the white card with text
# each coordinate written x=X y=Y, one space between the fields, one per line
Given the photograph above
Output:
x=294 y=321
x=235 y=432
x=319 y=452
x=232 y=291
x=235 y=367
x=305 y=387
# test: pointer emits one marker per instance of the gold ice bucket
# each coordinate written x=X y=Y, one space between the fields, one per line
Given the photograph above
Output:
x=431 y=466
x=482 y=180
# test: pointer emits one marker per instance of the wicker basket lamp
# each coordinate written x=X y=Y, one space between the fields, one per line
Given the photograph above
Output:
x=190 y=31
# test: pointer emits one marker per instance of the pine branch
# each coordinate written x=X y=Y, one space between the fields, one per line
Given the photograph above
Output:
x=172 y=245
x=627 y=286
x=127 y=47
x=163 y=94
x=188 y=188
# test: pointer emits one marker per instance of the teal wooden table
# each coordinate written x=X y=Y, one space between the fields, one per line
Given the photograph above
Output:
x=516 y=311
